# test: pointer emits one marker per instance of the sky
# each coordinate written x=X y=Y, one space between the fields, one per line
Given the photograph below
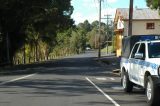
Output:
x=89 y=9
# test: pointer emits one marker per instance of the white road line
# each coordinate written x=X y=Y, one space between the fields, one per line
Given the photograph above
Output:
x=17 y=79
x=117 y=87
x=107 y=96
x=112 y=79
x=101 y=79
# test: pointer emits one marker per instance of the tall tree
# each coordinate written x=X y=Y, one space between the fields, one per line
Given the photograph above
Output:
x=95 y=24
x=46 y=16
x=154 y=4
x=85 y=26
x=92 y=38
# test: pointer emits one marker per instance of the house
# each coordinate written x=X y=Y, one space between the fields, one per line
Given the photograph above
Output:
x=145 y=22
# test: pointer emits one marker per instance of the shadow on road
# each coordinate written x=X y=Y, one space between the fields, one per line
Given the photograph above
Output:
x=66 y=78
x=55 y=87
x=67 y=66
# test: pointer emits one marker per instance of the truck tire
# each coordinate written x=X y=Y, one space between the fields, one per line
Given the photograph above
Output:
x=126 y=83
x=152 y=93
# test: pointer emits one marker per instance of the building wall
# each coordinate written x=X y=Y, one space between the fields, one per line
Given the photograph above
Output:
x=139 y=28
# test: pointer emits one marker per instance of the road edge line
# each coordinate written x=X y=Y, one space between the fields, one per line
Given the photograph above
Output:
x=107 y=96
x=16 y=79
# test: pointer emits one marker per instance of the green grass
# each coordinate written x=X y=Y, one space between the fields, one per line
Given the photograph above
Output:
x=110 y=49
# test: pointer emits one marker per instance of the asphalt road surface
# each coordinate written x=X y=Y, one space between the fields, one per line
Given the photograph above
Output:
x=74 y=81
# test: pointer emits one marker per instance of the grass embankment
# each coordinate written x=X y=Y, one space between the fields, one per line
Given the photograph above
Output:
x=110 y=49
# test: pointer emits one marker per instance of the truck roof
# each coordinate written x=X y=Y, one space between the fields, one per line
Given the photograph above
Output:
x=128 y=42
x=148 y=41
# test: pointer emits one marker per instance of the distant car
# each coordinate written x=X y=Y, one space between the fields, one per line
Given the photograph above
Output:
x=88 y=48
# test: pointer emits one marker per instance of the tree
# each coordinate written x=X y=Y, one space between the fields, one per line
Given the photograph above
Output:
x=95 y=24
x=154 y=4
x=46 y=16
x=75 y=41
x=92 y=38
x=84 y=26
x=33 y=39
x=63 y=42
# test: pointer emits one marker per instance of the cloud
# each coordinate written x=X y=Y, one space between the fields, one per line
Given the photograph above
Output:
x=109 y=11
x=90 y=3
x=80 y=18
x=95 y=3
x=112 y=1
x=88 y=10
x=92 y=17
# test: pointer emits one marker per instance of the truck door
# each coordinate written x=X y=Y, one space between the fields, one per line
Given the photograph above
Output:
x=133 y=62
x=140 y=67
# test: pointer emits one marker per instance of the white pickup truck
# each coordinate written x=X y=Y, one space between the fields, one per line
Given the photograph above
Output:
x=142 y=68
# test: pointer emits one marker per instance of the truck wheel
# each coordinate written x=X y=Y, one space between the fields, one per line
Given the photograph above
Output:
x=152 y=92
x=126 y=83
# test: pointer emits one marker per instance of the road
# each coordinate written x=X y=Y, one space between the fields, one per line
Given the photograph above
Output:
x=73 y=81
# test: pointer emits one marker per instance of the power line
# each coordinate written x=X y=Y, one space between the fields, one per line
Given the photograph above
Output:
x=108 y=5
x=104 y=4
x=95 y=5
x=108 y=17
x=99 y=40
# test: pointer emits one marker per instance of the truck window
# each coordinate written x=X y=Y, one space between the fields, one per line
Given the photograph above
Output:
x=134 y=50
x=154 y=50
x=142 y=50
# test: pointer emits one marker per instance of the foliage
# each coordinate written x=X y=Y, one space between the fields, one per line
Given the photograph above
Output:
x=85 y=26
x=110 y=49
x=45 y=16
x=53 y=42
x=154 y=4
x=78 y=41
x=93 y=35
x=69 y=42
x=92 y=38
x=63 y=44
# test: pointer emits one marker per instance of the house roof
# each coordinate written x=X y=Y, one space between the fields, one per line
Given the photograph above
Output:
x=138 y=13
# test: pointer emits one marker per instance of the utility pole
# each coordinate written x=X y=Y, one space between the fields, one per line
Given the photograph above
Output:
x=130 y=18
x=112 y=33
x=99 y=40
x=108 y=17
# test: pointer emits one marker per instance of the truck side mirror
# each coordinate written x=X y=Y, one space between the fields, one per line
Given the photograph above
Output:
x=138 y=56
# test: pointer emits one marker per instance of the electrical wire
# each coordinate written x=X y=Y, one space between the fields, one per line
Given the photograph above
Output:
x=96 y=5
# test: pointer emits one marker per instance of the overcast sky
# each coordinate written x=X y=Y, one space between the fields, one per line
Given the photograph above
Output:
x=88 y=9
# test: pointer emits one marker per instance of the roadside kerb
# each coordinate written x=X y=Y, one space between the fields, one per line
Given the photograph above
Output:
x=104 y=62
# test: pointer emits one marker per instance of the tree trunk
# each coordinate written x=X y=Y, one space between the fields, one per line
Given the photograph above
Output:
x=24 y=54
x=37 y=52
